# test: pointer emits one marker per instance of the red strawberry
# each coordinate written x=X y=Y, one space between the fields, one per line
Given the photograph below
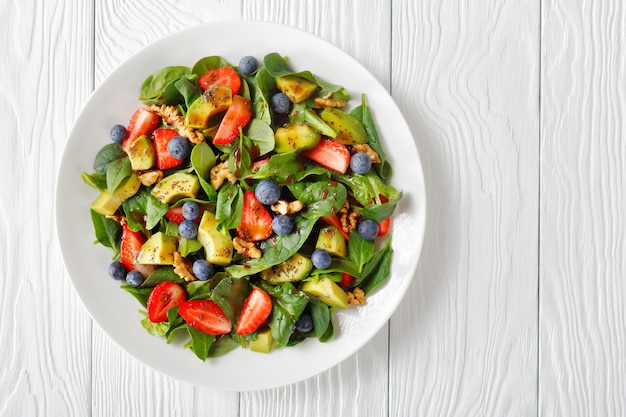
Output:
x=256 y=221
x=163 y=297
x=205 y=316
x=237 y=116
x=175 y=214
x=142 y=122
x=330 y=154
x=130 y=247
x=346 y=280
x=383 y=227
x=333 y=220
x=161 y=138
x=225 y=77
x=256 y=309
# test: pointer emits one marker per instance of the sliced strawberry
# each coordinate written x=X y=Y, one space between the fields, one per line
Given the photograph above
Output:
x=205 y=316
x=130 y=247
x=256 y=221
x=256 y=309
x=161 y=138
x=142 y=122
x=346 y=280
x=175 y=214
x=225 y=77
x=333 y=220
x=383 y=227
x=237 y=116
x=163 y=297
x=330 y=154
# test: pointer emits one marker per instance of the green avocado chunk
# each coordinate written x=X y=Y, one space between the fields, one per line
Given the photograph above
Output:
x=297 y=89
x=218 y=246
x=107 y=203
x=332 y=241
x=295 y=138
x=176 y=186
x=158 y=250
x=349 y=130
x=327 y=291
x=293 y=269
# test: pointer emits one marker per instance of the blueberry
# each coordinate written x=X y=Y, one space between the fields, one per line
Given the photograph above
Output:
x=305 y=323
x=267 y=192
x=134 y=278
x=179 y=147
x=321 y=259
x=188 y=229
x=282 y=224
x=202 y=269
x=247 y=65
x=117 y=133
x=117 y=270
x=360 y=163
x=368 y=229
x=191 y=210
x=281 y=103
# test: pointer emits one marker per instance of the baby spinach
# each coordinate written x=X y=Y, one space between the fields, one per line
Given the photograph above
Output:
x=107 y=232
x=229 y=206
x=222 y=346
x=200 y=343
x=187 y=89
x=262 y=85
x=368 y=188
x=154 y=89
x=188 y=246
x=202 y=160
x=143 y=211
x=95 y=180
x=209 y=63
x=141 y=294
x=106 y=155
x=117 y=172
x=320 y=313
x=377 y=269
x=379 y=212
x=261 y=135
x=155 y=329
x=163 y=274
x=230 y=295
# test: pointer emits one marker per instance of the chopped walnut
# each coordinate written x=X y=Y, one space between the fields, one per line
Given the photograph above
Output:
x=182 y=268
x=149 y=178
x=328 y=101
x=348 y=217
x=246 y=248
x=171 y=117
x=284 y=207
x=364 y=147
x=356 y=297
x=219 y=173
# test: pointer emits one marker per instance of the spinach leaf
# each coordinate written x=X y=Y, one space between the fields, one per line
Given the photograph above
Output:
x=106 y=155
x=143 y=210
x=368 y=188
x=282 y=168
x=328 y=334
x=222 y=346
x=107 y=232
x=117 y=171
x=360 y=251
x=155 y=84
x=281 y=324
x=288 y=296
x=262 y=135
x=239 y=161
x=187 y=89
x=160 y=275
x=377 y=270
x=229 y=207
x=313 y=120
x=202 y=160
x=200 y=342
x=204 y=289
x=320 y=313
x=379 y=212
x=155 y=329
x=209 y=63
x=141 y=294
x=188 y=246
x=230 y=295
x=262 y=85
x=175 y=323
x=95 y=180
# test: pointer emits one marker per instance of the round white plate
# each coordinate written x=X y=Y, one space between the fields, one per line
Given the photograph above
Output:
x=116 y=311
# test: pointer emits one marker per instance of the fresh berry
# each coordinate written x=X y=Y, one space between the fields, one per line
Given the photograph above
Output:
x=224 y=77
x=162 y=138
x=368 y=229
x=383 y=227
x=237 y=117
x=247 y=65
x=179 y=147
x=205 y=316
x=256 y=221
x=360 y=163
x=118 y=133
x=333 y=220
x=321 y=259
x=142 y=122
x=202 y=269
x=130 y=246
x=267 y=192
x=256 y=309
x=188 y=229
x=175 y=214
x=346 y=279
x=282 y=224
x=163 y=297
x=117 y=270
x=134 y=278
x=281 y=103
x=330 y=154
x=304 y=324
x=190 y=210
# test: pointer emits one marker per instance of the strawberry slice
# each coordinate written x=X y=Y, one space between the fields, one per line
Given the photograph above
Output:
x=383 y=227
x=256 y=309
x=330 y=154
x=205 y=316
x=175 y=214
x=333 y=220
x=346 y=280
x=130 y=247
x=163 y=297
x=237 y=116
x=224 y=77
x=161 y=138
x=142 y=122
x=256 y=221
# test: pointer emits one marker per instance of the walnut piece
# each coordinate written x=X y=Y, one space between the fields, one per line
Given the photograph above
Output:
x=284 y=207
x=220 y=173
x=328 y=101
x=171 y=117
x=356 y=297
x=246 y=248
x=364 y=147
x=183 y=268
x=149 y=178
x=348 y=217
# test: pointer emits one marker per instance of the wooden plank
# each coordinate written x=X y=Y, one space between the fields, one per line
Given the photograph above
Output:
x=358 y=386
x=44 y=368
x=464 y=342
x=582 y=338
x=121 y=384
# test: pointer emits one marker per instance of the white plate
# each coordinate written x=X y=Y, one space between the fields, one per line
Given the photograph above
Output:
x=117 y=311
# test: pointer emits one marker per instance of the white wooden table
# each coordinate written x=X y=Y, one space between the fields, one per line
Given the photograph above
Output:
x=518 y=307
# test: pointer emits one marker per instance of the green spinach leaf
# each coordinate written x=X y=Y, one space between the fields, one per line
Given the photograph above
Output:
x=377 y=270
x=229 y=207
x=95 y=180
x=117 y=172
x=163 y=274
x=107 y=231
x=209 y=63
x=230 y=295
x=262 y=135
x=200 y=342
x=144 y=210
x=106 y=155
x=202 y=160
x=154 y=86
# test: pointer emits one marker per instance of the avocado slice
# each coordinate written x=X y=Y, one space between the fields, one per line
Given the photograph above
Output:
x=141 y=153
x=332 y=241
x=296 y=88
x=327 y=291
x=263 y=342
x=176 y=186
x=158 y=250
x=349 y=130
x=107 y=204
x=212 y=102
x=293 y=269
x=295 y=138
x=218 y=246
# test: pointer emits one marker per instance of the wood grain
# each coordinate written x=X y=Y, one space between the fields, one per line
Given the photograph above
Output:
x=43 y=368
x=464 y=341
x=583 y=201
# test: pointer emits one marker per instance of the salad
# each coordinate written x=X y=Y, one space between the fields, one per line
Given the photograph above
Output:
x=243 y=205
